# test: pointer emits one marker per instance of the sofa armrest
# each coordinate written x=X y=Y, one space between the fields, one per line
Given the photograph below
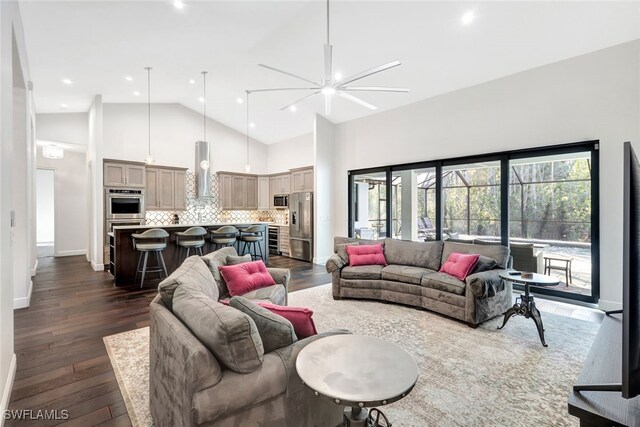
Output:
x=334 y=263
x=281 y=276
x=485 y=284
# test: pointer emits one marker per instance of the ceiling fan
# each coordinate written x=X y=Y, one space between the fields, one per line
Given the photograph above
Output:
x=330 y=85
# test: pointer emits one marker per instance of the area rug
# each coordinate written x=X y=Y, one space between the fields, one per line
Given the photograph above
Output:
x=468 y=377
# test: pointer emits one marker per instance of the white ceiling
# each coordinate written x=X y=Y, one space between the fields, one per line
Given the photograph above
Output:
x=97 y=43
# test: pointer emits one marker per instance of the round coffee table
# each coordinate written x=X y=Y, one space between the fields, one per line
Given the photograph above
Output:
x=358 y=372
x=527 y=307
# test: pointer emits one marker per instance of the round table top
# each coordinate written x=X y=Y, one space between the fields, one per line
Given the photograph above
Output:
x=537 y=279
x=355 y=369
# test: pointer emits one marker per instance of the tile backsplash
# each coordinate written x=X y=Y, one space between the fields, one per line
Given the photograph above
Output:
x=208 y=210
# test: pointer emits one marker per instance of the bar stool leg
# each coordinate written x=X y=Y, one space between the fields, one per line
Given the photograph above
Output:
x=164 y=266
x=135 y=279
x=260 y=250
x=566 y=272
x=144 y=268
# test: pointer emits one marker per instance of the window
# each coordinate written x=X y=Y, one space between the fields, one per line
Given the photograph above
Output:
x=414 y=204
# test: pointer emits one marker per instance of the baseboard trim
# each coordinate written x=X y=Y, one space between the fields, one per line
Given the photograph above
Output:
x=6 y=393
x=35 y=268
x=23 y=302
x=609 y=305
x=97 y=267
x=71 y=253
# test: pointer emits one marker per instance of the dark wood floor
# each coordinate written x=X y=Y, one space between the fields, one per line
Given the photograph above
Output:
x=62 y=361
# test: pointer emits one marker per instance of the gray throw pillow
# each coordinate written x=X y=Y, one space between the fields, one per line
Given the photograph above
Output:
x=216 y=259
x=484 y=264
x=341 y=250
x=233 y=260
x=230 y=335
x=275 y=331
x=192 y=271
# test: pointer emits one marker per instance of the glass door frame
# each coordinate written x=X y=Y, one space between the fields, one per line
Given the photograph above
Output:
x=504 y=158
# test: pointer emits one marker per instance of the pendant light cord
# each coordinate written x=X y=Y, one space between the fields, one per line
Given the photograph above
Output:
x=149 y=105
x=328 y=22
x=204 y=101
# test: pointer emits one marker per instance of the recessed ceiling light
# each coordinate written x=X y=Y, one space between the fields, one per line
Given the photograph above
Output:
x=178 y=4
x=467 y=18
x=136 y=93
x=252 y=125
x=239 y=100
x=338 y=76
x=128 y=78
x=67 y=81
x=192 y=81
x=63 y=106
x=293 y=108
x=201 y=99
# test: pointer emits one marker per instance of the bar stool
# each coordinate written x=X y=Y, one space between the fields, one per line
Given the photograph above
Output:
x=192 y=238
x=154 y=240
x=223 y=236
x=251 y=237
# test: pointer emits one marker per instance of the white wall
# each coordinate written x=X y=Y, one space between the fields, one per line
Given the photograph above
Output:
x=15 y=263
x=291 y=153
x=174 y=131
x=94 y=171
x=71 y=218
x=324 y=149
x=45 y=190
x=64 y=127
x=594 y=96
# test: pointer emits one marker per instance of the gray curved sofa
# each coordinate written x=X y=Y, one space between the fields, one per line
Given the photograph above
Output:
x=412 y=278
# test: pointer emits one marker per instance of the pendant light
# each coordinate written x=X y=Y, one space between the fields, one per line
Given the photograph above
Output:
x=149 y=159
x=247 y=166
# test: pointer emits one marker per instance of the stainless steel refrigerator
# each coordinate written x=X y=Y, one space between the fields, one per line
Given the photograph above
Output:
x=301 y=226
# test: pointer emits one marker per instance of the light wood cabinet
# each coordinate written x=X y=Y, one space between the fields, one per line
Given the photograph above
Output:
x=302 y=180
x=264 y=193
x=165 y=188
x=238 y=192
x=123 y=174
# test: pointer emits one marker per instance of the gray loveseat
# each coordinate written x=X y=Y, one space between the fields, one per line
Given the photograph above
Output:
x=192 y=335
x=412 y=278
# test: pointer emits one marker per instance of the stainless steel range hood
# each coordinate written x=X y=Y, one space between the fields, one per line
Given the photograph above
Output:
x=203 y=170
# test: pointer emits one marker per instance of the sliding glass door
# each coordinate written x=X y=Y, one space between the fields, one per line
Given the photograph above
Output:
x=369 y=205
x=413 y=201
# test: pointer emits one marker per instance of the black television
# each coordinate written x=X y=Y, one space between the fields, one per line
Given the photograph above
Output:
x=630 y=385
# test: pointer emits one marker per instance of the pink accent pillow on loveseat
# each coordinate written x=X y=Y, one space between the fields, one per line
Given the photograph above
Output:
x=459 y=265
x=246 y=277
x=300 y=318
x=366 y=255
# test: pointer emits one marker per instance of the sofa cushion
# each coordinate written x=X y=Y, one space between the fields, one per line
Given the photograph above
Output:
x=236 y=259
x=362 y=272
x=498 y=252
x=366 y=255
x=341 y=250
x=416 y=254
x=459 y=265
x=216 y=259
x=276 y=294
x=404 y=273
x=275 y=330
x=443 y=282
x=194 y=271
x=300 y=318
x=229 y=334
x=484 y=264
x=246 y=277
x=346 y=240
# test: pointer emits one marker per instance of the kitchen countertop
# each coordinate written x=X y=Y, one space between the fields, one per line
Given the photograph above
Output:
x=205 y=225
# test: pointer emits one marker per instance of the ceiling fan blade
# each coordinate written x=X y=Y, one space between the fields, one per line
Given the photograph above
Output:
x=288 y=74
x=374 y=89
x=328 y=63
x=299 y=100
x=283 y=88
x=368 y=73
x=357 y=100
x=327 y=105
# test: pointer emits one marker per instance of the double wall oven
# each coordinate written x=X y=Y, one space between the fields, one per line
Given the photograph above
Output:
x=122 y=206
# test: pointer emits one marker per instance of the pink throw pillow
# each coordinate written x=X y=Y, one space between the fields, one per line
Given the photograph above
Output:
x=300 y=318
x=246 y=277
x=366 y=255
x=459 y=265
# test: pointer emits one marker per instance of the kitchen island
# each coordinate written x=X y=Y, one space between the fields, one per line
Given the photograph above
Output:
x=124 y=258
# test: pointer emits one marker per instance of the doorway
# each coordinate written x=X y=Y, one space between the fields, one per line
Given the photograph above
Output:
x=45 y=212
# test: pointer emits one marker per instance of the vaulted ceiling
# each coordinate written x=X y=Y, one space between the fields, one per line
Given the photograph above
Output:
x=97 y=44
